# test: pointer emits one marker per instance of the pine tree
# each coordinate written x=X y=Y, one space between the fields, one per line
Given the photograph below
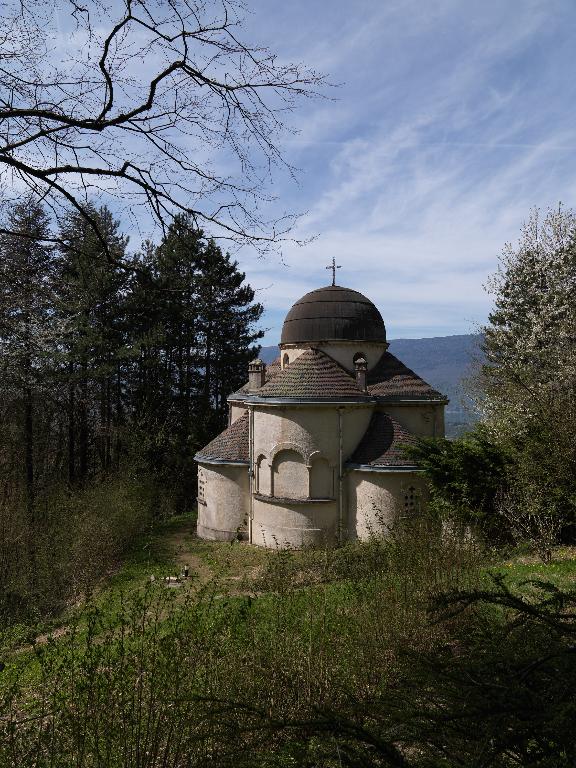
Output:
x=194 y=321
x=26 y=265
x=227 y=333
x=92 y=285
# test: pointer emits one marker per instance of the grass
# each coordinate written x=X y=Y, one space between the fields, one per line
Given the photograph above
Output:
x=284 y=632
x=523 y=566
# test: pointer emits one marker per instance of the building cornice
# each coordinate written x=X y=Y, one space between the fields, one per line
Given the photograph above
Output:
x=199 y=459
x=390 y=469
x=368 y=400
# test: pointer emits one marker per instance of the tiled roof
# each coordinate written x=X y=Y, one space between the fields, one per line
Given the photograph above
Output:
x=390 y=378
x=230 y=445
x=382 y=443
x=312 y=375
x=271 y=370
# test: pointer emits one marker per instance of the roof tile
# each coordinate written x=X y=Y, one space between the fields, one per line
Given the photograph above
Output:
x=390 y=378
x=312 y=375
x=383 y=443
x=229 y=445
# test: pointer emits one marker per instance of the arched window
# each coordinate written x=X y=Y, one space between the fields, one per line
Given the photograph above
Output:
x=290 y=475
x=263 y=484
x=359 y=356
x=321 y=479
x=285 y=360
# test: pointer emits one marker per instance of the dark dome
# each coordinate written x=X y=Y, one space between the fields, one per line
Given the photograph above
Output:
x=333 y=314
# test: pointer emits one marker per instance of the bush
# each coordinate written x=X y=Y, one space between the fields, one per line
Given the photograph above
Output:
x=202 y=678
x=77 y=537
x=467 y=479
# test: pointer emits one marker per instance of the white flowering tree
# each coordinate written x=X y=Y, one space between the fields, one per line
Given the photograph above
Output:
x=530 y=372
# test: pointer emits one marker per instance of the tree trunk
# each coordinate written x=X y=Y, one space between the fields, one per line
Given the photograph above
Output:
x=71 y=425
x=83 y=426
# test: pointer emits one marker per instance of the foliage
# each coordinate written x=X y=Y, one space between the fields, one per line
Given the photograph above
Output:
x=200 y=676
x=77 y=539
x=115 y=370
x=528 y=378
x=467 y=478
x=194 y=331
x=419 y=660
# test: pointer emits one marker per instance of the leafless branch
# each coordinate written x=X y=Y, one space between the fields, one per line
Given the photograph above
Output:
x=150 y=110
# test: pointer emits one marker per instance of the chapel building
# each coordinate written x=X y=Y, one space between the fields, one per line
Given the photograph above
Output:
x=313 y=453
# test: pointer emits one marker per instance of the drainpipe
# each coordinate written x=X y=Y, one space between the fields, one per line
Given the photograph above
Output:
x=340 y=505
x=251 y=469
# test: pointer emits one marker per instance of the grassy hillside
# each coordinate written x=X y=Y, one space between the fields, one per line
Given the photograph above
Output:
x=272 y=659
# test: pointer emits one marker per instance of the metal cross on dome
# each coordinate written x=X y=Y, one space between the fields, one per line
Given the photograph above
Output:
x=334 y=267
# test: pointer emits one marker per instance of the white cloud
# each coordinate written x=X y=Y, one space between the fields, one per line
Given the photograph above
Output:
x=440 y=143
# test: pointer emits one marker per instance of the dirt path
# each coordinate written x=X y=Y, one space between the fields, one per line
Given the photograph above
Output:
x=181 y=542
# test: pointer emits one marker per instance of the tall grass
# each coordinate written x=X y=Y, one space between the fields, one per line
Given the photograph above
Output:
x=203 y=678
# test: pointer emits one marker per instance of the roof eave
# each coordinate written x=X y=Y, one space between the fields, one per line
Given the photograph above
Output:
x=200 y=459
x=305 y=400
x=384 y=467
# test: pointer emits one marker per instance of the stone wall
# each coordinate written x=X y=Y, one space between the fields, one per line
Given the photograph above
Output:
x=424 y=420
x=236 y=411
x=341 y=351
x=311 y=431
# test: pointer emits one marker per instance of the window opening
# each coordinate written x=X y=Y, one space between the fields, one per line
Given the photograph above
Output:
x=410 y=499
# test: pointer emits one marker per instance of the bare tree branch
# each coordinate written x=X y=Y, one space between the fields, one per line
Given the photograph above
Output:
x=150 y=110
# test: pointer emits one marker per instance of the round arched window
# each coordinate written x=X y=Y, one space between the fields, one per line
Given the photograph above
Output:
x=285 y=361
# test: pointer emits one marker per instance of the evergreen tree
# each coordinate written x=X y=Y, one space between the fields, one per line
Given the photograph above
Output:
x=227 y=335
x=25 y=316
x=193 y=317
x=92 y=285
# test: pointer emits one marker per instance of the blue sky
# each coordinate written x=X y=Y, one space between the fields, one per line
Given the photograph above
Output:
x=453 y=118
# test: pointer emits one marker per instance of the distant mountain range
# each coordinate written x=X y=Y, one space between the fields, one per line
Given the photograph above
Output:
x=445 y=362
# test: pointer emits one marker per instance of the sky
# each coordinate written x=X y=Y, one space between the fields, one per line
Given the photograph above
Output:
x=448 y=121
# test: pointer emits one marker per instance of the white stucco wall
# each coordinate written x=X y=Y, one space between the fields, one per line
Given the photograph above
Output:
x=375 y=500
x=294 y=525
x=223 y=500
x=310 y=430
x=236 y=411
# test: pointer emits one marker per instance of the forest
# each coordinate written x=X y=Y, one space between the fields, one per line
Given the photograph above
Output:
x=115 y=370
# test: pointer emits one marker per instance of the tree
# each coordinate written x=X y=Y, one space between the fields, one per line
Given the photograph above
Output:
x=139 y=99
x=26 y=302
x=467 y=477
x=193 y=320
x=530 y=347
x=227 y=335
x=90 y=303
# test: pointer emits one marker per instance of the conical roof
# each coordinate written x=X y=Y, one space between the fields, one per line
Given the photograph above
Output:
x=313 y=375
